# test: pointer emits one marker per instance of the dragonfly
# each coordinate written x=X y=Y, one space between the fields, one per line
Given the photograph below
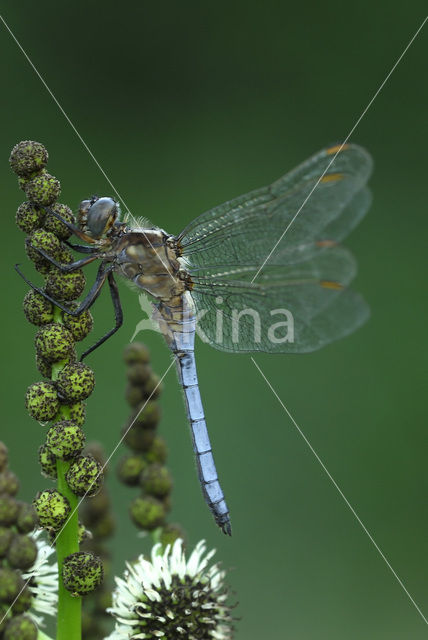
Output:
x=227 y=276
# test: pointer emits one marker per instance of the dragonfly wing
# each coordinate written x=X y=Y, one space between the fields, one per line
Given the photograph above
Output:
x=289 y=309
x=244 y=230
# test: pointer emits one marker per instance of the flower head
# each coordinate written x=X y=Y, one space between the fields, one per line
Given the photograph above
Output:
x=169 y=597
x=42 y=580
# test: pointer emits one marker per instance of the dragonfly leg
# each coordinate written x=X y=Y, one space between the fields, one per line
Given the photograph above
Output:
x=88 y=301
x=80 y=248
x=72 y=227
x=64 y=268
x=114 y=292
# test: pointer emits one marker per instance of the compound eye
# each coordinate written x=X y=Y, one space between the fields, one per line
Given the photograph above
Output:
x=100 y=217
x=82 y=215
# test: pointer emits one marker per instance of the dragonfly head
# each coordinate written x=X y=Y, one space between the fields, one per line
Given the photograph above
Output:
x=97 y=216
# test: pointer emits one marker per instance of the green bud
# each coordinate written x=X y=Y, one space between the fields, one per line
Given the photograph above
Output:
x=147 y=513
x=9 y=482
x=129 y=468
x=170 y=533
x=149 y=415
x=47 y=462
x=77 y=413
x=29 y=217
x=45 y=240
x=4 y=458
x=56 y=226
x=80 y=326
x=137 y=437
x=65 y=439
x=54 y=342
x=83 y=533
x=37 y=309
x=158 y=451
x=10 y=584
x=21 y=628
x=43 y=189
x=27 y=157
x=42 y=401
x=27 y=518
x=8 y=510
x=153 y=387
x=75 y=382
x=96 y=449
x=44 y=367
x=136 y=352
x=82 y=573
x=85 y=476
x=134 y=395
x=65 y=286
x=52 y=508
x=24 y=602
x=22 y=552
x=139 y=373
x=156 y=480
x=6 y=536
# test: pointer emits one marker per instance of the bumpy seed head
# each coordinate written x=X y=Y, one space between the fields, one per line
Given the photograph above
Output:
x=52 y=508
x=147 y=513
x=65 y=439
x=139 y=373
x=4 y=457
x=8 y=510
x=10 y=584
x=24 y=602
x=136 y=352
x=80 y=326
x=27 y=518
x=45 y=240
x=29 y=217
x=6 y=535
x=54 y=342
x=44 y=367
x=138 y=438
x=75 y=382
x=83 y=533
x=77 y=413
x=37 y=309
x=65 y=286
x=47 y=462
x=56 y=226
x=134 y=395
x=43 y=189
x=153 y=387
x=170 y=533
x=28 y=157
x=22 y=552
x=158 y=451
x=82 y=573
x=42 y=401
x=21 y=628
x=129 y=469
x=149 y=415
x=156 y=480
x=9 y=482
x=85 y=476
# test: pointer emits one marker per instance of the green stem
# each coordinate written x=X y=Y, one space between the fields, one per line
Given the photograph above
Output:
x=69 y=624
x=69 y=607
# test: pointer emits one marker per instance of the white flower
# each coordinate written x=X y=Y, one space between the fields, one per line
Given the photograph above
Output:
x=169 y=597
x=42 y=580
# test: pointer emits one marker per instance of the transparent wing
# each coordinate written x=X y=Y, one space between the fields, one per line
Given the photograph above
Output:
x=244 y=230
x=288 y=309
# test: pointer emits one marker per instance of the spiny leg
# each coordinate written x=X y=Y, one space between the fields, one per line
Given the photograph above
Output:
x=88 y=301
x=64 y=268
x=80 y=248
x=72 y=227
x=114 y=292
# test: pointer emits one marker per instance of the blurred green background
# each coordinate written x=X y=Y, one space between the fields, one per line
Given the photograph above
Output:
x=186 y=105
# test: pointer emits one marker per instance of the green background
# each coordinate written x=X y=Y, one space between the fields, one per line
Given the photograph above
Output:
x=186 y=105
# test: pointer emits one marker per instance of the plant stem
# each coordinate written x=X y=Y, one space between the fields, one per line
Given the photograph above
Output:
x=69 y=607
